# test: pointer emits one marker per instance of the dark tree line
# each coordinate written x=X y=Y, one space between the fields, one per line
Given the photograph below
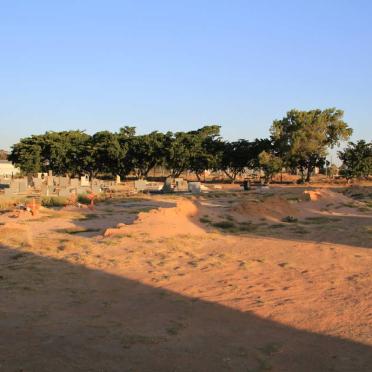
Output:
x=298 y=141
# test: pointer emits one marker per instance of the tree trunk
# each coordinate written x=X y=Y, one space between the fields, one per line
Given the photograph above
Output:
x=232 y=178
x=309 y=170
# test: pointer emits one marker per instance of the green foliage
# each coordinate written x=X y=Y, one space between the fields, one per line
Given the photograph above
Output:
x=145 y=152
x=54 y=201
x=332 y=170
x=83 y=199
x=270 y=164
x=357 y=160
x=239 y=155
x=299 y=141
x=302 y=138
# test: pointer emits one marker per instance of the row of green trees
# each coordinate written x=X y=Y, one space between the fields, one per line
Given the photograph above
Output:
x=298 y=141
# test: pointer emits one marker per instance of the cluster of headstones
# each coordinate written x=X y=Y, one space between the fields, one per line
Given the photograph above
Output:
x=14 y=186
x=48 y=185
x=64 y=186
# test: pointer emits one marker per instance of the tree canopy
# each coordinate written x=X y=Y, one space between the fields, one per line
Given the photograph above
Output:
x=356 y=159
x=302 y=138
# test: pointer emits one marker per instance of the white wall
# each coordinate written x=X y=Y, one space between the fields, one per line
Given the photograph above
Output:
x=7 y=170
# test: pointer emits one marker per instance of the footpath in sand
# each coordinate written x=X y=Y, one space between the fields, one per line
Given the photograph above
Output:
x=214 y=283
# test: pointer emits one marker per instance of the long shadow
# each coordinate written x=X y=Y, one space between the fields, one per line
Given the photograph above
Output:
x=103 y=216
x=58 y=316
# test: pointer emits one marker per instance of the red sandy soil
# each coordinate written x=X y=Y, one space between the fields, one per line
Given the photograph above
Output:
x=158 y=285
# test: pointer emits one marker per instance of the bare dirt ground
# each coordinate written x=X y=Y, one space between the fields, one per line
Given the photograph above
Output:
x=276 y=280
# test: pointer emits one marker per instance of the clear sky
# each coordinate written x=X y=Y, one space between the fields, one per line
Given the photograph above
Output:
x=178 y=65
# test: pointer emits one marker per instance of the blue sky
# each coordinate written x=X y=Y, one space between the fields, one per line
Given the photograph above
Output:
x=178 y=65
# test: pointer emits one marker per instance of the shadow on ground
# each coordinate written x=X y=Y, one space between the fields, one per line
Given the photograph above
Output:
x=105 y=215
x=350 y=226
x=56 y=316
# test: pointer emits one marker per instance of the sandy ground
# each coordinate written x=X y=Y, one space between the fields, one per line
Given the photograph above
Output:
x=270 y=280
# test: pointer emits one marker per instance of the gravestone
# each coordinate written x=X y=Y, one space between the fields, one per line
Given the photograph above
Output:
x=37 y=183
x=44 y=189
x=50 y=178
x=140 y=185
x=181 y=185
x=84 y=181
x=64 y=192
x=22 y=184
x=194 y=187
x=74 y=182
x=64 y=182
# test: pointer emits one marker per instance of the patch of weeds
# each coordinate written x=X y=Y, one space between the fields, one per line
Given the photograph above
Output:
x=364 y=209
x=78 y=231
x=295 y=199
x=139 y=210
x=205 y=219
x=193 y=263
x=224 y=225
x=270 y=348
x=18 y=256
x=83 y=199
x=231 y=227
x=86 y=217
x=358 y=196
x=300 y=230
x=264 y=364
x=348 y=205
x=320 y=220
x=130 y=340
x=277 y=225
x=289 y=219
x=368 y=229
x=53 y=201
x=175 y=328
x=247 y=227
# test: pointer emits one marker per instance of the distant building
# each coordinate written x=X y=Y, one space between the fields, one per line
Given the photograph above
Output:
x=7 y=169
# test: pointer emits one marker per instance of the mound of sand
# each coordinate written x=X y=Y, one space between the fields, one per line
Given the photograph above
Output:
x=272 y=208
x=163 y=222
x=276 y=207
x=327 y=196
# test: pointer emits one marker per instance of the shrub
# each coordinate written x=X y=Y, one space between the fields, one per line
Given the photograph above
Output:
x=224 y=225
x=53 y=201
x=289 y=219
x=83 y=199
x=204 y=219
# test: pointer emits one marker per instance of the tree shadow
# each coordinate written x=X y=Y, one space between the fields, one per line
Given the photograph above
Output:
x=59 y=316
x=105 y=215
